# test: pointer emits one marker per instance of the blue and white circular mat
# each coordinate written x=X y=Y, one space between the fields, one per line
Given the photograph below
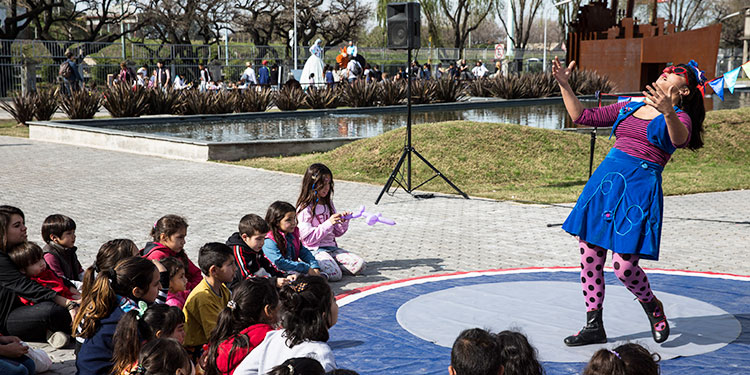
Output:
x=408 y=326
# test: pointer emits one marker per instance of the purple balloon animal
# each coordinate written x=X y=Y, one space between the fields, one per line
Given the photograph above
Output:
x=370 y=219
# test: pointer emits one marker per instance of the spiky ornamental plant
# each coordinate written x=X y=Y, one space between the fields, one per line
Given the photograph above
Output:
x=164 y=102
x=81 y=104
x=45 y=103
x=392 y=92
x=21 y=108
x=320 y=98
x=360 y=94
x=122 y=100
x=448 y=90
x=289 y=98
x=254 y=100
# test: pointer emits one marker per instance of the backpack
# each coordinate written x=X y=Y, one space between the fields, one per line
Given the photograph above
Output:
x=357 y=68
x=65 y=70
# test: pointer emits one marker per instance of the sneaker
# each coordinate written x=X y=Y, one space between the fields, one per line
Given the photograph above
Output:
x=59 y=340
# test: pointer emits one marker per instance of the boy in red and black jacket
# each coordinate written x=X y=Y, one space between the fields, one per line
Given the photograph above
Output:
x=247 y=247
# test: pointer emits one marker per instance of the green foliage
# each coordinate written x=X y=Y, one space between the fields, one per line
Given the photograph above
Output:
x=161 y=102
x=392 y=92
x=45 y=103
x=587 y=82
x=81 y=104
x=122 y=101
x=360 y=94
x=289 y=98
x=21 y=108
x=252 y=100
x=447 y=90
x=316 y=98
x=422 y=92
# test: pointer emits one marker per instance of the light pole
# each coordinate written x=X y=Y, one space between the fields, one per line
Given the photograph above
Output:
x=544 y=13
x=122 y=28
x=294 y=42
x=746 y=37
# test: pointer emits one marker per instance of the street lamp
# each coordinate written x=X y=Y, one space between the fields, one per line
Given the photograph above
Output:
x=294 y=42
x=544 y=13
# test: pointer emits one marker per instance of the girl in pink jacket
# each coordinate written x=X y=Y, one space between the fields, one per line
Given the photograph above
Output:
x=319 y=224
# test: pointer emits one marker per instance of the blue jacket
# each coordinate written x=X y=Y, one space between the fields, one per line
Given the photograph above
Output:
x=298 y=257
x=95 y=356
x=264 y=77
x=657 y=131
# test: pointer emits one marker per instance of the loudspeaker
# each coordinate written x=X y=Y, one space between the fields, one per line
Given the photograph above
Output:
x=403 y=22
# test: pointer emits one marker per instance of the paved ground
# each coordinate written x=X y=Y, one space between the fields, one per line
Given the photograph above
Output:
x=112 y=194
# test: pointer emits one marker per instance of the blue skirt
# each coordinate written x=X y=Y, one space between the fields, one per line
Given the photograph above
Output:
x=620 y=207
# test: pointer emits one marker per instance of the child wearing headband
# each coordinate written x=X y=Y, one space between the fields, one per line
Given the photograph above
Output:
x=627 y=359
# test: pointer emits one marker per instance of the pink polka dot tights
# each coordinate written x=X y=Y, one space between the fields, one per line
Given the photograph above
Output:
x=626 y=269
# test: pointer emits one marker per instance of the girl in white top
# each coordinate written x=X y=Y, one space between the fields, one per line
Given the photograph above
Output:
x=308 y=310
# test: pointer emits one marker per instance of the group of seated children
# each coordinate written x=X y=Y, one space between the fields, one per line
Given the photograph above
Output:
x=479 y=352
x=270 y=279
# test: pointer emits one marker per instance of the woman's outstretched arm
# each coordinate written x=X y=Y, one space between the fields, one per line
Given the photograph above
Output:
x=562 y=74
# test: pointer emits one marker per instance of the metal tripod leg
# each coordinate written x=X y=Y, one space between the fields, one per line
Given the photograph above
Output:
x=440 y=174
x=393 y=175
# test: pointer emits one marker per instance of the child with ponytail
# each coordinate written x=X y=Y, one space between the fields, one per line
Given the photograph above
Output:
x=135 y=329
x=132 y=284
x=308 y=311
x=626 y=359
x=169 y=234
x=242 y=325
x=283 y=246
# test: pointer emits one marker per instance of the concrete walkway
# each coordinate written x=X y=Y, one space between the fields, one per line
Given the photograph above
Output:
x=115 y=195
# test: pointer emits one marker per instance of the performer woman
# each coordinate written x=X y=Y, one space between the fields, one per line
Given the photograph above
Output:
x=312 y=73
x=620 y=208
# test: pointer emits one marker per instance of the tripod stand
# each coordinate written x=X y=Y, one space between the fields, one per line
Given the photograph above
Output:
x=409 y=150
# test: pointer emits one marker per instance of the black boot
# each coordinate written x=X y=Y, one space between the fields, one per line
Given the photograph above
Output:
x=592 y=333
x=659 y=325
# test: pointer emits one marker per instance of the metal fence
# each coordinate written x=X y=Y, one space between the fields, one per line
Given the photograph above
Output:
x=43 y=58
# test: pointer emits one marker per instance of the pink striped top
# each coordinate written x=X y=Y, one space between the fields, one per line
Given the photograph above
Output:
x=632 y=136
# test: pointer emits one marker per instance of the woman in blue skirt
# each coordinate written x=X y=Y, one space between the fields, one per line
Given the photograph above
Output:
x=620 y=208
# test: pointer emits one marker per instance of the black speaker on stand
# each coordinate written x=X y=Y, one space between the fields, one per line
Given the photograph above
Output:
x=403 y=23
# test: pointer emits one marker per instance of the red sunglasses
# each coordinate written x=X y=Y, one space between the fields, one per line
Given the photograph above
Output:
x=679 y=70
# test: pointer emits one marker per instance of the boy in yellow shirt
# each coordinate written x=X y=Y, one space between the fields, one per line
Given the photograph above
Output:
x=208 y=298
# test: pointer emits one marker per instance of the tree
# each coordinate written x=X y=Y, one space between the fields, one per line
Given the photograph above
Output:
x=688 y=14
x=523 y=13
x=567 y=13
x=732 y=28
x=464 y=16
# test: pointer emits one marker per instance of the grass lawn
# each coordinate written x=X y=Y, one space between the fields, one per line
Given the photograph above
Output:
x=9 y=128
x=521 y=163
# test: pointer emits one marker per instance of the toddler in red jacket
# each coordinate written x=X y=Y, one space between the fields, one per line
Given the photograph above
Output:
x=29 y=258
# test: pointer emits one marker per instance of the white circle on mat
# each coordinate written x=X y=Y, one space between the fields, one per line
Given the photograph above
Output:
x=548 y=311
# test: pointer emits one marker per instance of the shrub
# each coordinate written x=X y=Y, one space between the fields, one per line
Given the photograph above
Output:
x=194 y=103
x=540 y=85
x=510 y=86
x=480 y=87
x=586 y=82
x=45 y=103
x=220 y=102
x=21 y=108
x=253 y=100
x=448 y=90
x=321 y=98
x=360 y=94
x=81 y=104
x=392 y=93
x=121 y=100
x=289 y=98
x=422 y=92
x=167 y=102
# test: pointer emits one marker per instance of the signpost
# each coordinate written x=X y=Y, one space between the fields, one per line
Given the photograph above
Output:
x=499 y=51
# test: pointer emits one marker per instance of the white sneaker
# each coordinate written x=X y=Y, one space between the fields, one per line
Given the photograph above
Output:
x=59 y=339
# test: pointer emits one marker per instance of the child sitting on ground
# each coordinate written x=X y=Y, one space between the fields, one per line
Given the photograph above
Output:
x=135 y=330
x=132 y=285
x=247 y=246
x=169 y=241
x=206 y=301
x=517 y=356
x=626 y=359
x=242 y=325
x=29 y=258
x=320 y=224
x=475 y=353
x=177 y=282
x=59 y=232
x=163 y=356
x=308 y=311
x=283 y=246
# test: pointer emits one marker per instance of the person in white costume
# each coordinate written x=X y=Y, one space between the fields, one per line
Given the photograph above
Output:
x=312 y=73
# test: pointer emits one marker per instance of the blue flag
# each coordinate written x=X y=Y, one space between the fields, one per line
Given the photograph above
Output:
x=718 y=86
x=731 y=78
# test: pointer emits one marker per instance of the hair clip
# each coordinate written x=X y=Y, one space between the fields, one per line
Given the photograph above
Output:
x=615 y=353
x=699 y=74
x=142 y=307
x=138 y=370
x=299 y=288
x=231 y=304
x=291 y=369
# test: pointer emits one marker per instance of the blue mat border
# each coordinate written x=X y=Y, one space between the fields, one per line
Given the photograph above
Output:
x=387 y=348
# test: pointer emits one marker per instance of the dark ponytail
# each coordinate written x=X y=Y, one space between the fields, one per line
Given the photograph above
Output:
x=305 y=307
x=692 y=104
x=299 y=366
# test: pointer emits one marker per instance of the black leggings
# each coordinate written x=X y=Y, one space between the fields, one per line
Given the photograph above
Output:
x=31 y=323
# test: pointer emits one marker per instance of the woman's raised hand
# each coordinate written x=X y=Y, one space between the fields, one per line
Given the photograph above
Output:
x=560 y=72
